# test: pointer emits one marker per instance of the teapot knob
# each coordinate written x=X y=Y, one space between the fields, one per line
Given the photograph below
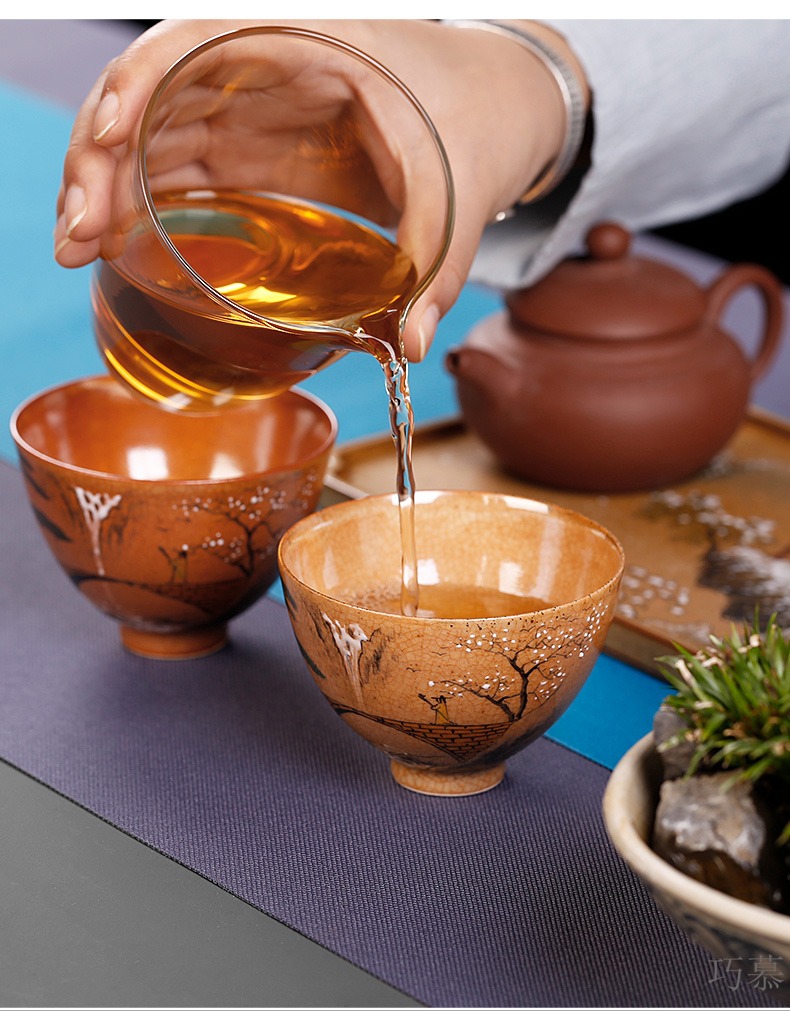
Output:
x=608 y=241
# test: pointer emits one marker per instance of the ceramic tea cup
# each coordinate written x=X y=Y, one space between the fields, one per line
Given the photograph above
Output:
x=169 y=523
x=449 y=698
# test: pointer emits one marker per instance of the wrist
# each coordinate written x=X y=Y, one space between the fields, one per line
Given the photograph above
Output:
x=557 y=94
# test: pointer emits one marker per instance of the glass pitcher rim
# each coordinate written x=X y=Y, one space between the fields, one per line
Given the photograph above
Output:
x=373 y=64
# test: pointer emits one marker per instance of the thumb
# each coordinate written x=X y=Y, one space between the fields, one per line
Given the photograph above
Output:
x=442 y=293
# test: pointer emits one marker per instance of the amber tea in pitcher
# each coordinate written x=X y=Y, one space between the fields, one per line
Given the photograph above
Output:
x=289 y=262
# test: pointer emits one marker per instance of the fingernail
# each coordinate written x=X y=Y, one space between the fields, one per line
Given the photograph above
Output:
x=75 y=207
x=59 y=237
x=107 y=115
x=62 y=244
x=426 y=328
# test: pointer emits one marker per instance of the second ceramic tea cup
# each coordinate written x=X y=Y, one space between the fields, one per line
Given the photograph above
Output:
x=169 y=523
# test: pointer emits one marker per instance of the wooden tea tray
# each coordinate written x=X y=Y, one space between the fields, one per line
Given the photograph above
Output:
x=699 y=555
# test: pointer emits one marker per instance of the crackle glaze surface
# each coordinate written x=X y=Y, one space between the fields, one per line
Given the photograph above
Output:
x=169 y=523
x=448 y=694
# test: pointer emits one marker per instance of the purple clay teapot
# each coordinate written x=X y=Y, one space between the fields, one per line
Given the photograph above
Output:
x=612 y=373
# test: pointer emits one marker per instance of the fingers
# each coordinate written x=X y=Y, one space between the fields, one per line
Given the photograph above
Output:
x=420 y=329
x=107 y=120
x=464 y=79
x=424 y=316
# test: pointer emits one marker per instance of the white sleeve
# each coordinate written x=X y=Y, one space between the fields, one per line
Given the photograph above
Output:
x=689 y=116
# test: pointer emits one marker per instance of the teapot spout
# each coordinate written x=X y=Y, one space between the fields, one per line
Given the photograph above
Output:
x=481 y=369
x=487 y=386
x=454 y=362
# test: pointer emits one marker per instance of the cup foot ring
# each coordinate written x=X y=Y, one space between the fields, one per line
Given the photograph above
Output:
x=436 y=783
x=175 y=645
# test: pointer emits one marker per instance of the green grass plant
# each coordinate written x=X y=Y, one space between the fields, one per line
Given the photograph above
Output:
x=734 y=698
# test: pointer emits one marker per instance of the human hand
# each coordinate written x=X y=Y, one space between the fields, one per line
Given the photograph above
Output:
x=497 y=111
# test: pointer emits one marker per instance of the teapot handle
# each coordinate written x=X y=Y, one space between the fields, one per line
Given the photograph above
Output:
x=770 y=290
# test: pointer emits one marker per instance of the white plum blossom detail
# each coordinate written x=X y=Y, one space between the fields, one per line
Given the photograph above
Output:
x=533 y=664
x=349 y=643
x=96 y=507
x=253 y=522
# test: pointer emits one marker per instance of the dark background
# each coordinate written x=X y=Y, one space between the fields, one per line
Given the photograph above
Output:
x=750 y=230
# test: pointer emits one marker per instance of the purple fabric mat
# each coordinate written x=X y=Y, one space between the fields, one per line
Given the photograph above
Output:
x=236 y=767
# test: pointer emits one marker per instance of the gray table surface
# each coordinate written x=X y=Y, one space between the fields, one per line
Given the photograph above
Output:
x=90 y=916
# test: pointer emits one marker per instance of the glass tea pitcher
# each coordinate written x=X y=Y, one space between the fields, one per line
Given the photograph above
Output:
x=263 y=225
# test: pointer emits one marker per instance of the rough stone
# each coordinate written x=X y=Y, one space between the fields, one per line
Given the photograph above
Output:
x=722 y=838
x=675 y=760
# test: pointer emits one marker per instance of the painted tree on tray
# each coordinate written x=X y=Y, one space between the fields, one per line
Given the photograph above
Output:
x=743 y=560
x=702 y=516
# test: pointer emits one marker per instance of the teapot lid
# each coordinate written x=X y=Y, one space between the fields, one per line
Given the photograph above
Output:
x=608 y=294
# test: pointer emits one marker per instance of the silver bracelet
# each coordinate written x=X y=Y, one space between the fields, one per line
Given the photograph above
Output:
x=572 y=97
